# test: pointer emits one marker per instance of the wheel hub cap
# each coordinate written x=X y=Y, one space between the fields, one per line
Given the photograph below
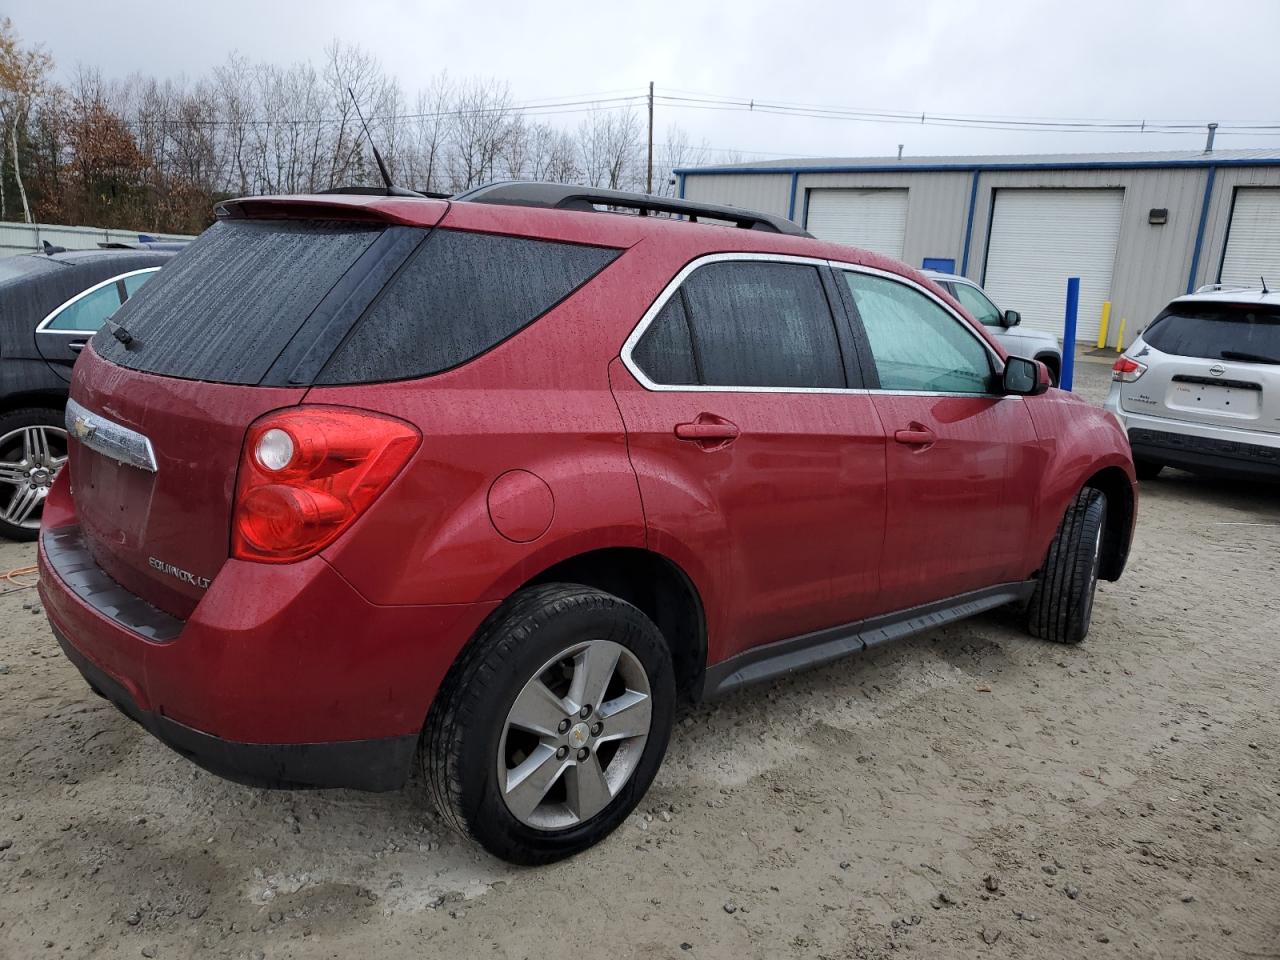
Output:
x=579 y=735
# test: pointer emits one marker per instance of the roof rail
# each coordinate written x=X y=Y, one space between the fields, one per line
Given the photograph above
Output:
x=1221 y=287
x=563 y=196
x=380 y=192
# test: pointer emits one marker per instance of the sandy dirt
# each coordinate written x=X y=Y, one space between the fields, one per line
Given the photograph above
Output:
x=968 y=793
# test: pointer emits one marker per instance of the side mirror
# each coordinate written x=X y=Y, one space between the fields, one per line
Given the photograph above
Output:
x=1011 y=318
x=1026 y=378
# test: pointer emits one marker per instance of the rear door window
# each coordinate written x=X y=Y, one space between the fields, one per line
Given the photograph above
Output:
x=457 y=296
x=88 y=312
x=1243 y=332
x=916 y=345
x=762 y=324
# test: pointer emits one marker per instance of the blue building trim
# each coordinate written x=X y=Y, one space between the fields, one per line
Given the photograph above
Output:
x=968 y=227
x=986 y=167
x=681 y=175
x=791 y=204
x=1204 y=220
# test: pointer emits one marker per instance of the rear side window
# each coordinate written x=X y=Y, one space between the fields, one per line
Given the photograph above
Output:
x=761 y=324
x=457 y=296
x=916 y=345
x=224 y=309
x=665 y=352
x=88 y=312
x=1218 y=332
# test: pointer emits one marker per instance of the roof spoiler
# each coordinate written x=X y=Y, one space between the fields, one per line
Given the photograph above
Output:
x=360 y=208
x=561 y=196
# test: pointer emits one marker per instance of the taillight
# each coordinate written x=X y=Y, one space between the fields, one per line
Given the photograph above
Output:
x=307 y=473
x=1127 y=370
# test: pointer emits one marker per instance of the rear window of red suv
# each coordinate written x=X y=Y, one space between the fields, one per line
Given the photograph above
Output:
x=300 y=302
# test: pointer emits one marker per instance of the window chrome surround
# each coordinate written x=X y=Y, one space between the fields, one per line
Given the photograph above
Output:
x=109 y=438
x=669 y=290
x=43 y=325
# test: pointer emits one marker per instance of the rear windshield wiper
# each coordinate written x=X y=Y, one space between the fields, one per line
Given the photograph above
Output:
x=1246 y=357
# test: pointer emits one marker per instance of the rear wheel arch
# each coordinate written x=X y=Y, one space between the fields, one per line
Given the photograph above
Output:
x=658 y=587
x=47 y=399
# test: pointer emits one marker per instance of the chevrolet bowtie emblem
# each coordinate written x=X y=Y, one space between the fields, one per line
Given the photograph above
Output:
x=82 y=428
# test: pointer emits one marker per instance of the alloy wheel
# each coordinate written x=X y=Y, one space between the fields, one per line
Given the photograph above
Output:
x=574 y=736
x=30 y=458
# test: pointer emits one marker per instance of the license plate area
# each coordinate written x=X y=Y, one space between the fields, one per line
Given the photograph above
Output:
x=1226 y=401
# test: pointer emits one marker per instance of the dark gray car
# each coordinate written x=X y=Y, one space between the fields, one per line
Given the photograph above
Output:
x=50 y=305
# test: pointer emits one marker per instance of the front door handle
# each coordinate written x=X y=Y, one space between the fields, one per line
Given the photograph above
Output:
x=708 y=431
x=917 y=435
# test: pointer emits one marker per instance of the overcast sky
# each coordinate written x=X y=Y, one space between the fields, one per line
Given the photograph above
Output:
x=1186 y=60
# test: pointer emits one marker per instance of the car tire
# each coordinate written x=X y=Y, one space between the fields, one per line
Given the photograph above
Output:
x=13 y=426
x=1062 y=604
x=1147 y=469
x=483 y=728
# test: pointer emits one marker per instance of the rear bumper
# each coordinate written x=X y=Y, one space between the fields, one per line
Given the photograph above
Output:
x=1199 y=447
x=380 y=764
x=284 y=675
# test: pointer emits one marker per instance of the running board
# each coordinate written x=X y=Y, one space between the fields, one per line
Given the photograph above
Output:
x=784 y=657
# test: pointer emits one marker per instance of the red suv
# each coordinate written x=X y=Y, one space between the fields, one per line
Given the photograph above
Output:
x=495 y=481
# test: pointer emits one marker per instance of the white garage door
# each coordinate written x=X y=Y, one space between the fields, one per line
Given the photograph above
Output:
x=1039 y=238
x=874 y=220
x=1253 y=241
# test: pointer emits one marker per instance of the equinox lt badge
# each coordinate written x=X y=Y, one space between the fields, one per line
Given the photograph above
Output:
x=186 y=576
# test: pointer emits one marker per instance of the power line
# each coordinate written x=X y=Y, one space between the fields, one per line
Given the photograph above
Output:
x=972 y=121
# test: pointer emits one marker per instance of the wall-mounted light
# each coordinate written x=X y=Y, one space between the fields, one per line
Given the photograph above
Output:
x=1158 y=215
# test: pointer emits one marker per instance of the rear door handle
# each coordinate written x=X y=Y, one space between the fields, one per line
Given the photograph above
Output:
x=75 y=346
x=708 y=431
x=916 y=436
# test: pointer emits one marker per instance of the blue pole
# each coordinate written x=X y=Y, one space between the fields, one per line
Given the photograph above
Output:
x=1069 y=333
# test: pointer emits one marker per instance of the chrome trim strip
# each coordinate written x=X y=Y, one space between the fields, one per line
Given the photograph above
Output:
x=43 y=324
x=109 y=438
x=667 y=291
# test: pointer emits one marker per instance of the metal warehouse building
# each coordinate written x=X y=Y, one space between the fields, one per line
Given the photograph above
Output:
x=1136 y=228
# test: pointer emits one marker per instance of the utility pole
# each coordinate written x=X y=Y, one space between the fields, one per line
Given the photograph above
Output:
x=649 y=177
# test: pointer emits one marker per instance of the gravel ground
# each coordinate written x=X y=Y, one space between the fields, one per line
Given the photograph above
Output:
x=970 y=792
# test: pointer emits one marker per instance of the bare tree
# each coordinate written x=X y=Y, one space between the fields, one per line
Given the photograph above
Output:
x=482 y=124
x=609 y=145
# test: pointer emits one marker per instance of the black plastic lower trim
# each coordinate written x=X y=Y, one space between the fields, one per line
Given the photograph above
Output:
x=784 y=657
x=376 y=765
x=1206 y=454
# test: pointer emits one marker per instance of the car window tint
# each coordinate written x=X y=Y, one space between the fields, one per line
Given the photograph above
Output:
x=759 y=324
x=134 y=282
x=89 y=313
x=976 y=302
x=665 y=352
x=457 y=296
x=1218 y=332
x=915 y=343
x=226 y=308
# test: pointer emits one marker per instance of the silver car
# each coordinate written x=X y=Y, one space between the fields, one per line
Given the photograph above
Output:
x=1005 y=324
x=1200 y=387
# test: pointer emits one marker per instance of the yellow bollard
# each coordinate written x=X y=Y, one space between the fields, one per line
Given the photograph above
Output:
x=1120 y=337
x=1102 y=327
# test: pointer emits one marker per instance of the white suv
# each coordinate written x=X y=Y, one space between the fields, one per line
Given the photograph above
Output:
x=1200 y=387
x=1006 y=325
